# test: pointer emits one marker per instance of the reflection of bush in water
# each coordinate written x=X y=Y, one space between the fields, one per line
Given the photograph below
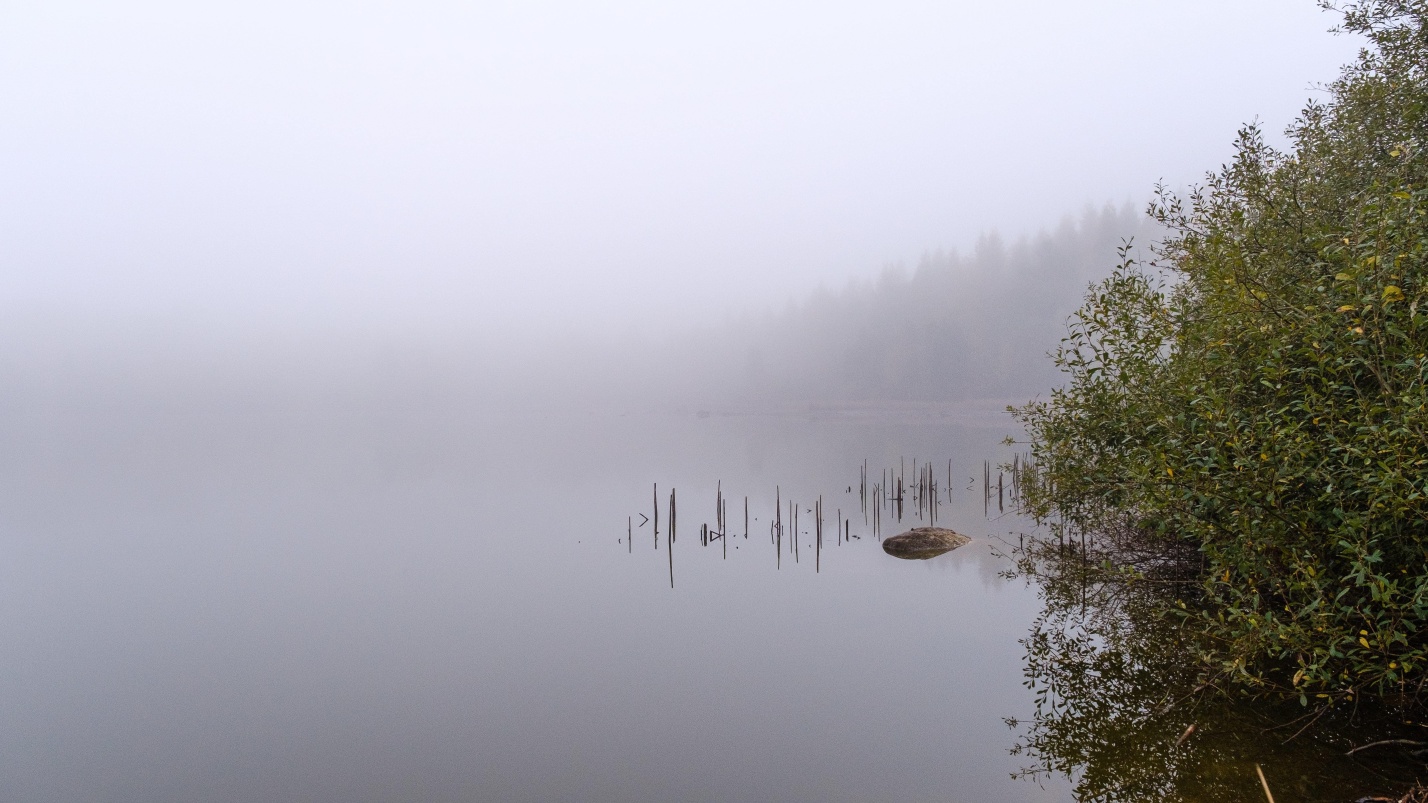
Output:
x=1116 y=684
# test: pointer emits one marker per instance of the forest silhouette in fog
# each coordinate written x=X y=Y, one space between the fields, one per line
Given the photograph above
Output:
x=956 y=327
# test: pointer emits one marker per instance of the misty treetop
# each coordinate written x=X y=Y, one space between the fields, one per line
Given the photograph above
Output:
x=959 y=326
x=1247 y=410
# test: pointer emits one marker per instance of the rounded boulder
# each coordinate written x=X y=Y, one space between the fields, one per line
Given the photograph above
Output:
x=921 y=543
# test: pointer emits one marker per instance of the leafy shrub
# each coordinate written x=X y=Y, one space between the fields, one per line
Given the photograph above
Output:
x=1253 y=399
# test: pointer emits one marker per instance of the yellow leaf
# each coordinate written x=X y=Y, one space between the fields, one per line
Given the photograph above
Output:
x=1402 y=196
x=1344 y=277
x=1169 y=471
x=1364 y=642
x=1346 y=308
x=1226 y=578
x=1392 y=293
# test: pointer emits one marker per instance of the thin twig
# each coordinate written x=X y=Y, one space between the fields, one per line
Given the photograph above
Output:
x=1388 y=743
x=1307 y=725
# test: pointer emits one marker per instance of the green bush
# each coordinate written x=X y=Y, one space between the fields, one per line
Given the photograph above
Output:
x=1250 y=404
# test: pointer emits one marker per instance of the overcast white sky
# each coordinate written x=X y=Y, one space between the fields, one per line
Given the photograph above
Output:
x=531 y=164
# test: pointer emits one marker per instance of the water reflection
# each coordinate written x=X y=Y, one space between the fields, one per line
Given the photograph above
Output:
x=369 y=605
x=795 y=528
x=1123 y=711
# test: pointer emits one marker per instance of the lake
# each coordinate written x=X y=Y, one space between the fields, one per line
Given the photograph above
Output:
x=395 y=602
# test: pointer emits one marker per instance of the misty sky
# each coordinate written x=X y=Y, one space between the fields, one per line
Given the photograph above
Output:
x=530 y=164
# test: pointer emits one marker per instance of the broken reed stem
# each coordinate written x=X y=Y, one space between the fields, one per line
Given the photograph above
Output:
x=986 y=487
x=818 y=538
x=863 y=491
x=719 y=505
x=778 y=514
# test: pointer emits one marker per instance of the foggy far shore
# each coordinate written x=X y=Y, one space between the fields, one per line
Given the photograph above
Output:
x=957 y=332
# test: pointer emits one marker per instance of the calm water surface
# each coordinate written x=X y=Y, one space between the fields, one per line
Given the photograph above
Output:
x=407 y=604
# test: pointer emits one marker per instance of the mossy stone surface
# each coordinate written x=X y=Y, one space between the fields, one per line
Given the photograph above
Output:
x=921 y=543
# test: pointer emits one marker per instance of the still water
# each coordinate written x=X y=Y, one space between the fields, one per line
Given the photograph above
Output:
x=403 y=604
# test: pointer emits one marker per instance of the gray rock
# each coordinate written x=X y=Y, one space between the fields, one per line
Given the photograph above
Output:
x=922 y=543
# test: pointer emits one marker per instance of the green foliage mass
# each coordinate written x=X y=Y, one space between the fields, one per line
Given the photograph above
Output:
x=1252 y=400
x=1115 y=699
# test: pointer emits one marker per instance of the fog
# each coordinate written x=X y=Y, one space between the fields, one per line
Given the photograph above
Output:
x=505 y=169
x=336 y=340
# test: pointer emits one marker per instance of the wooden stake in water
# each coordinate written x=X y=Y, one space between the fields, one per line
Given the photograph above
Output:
x=901 y=492
x=778 y=516
x=917 y=494
x=863 y=492
x=818 y=539
x=719 y=505
x=778 y=530
x=986 y=487
x=630 y=529
x=669 y=544
x=794 y=510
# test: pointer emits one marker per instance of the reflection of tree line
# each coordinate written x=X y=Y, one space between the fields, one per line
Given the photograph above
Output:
x=1118 y=687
